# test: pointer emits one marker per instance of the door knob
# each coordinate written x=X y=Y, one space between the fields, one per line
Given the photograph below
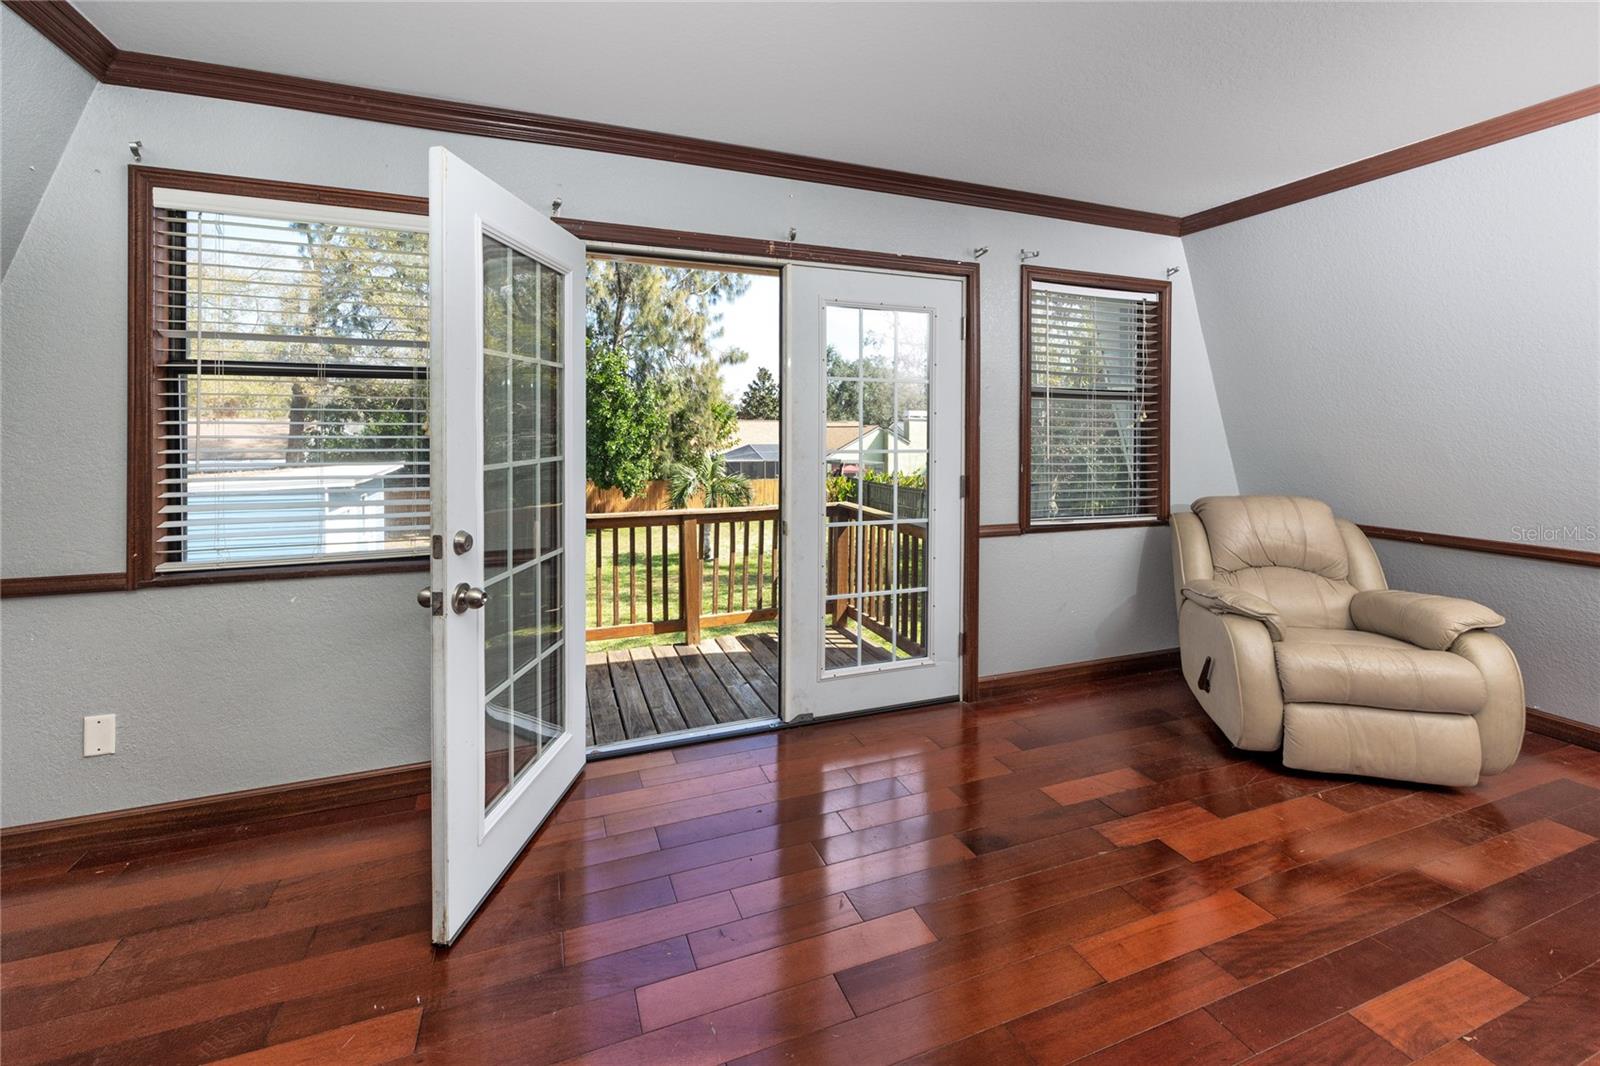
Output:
x=466 y=598
x=430 y=599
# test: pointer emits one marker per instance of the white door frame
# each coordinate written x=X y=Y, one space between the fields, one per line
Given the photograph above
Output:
x=473 y=847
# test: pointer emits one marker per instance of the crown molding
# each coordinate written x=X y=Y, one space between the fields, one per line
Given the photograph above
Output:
x=1581 y=104
x=75 y=35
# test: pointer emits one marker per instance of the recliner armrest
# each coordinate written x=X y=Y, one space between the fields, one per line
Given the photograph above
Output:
x=1432 y=622
x=1218 y=598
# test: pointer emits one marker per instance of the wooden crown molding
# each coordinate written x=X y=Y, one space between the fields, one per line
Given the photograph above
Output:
x=1581 y=104
x=59 y=21
x=1517 y=549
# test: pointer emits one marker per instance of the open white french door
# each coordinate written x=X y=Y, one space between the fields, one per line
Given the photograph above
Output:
x=507 y=430
x=872 y=450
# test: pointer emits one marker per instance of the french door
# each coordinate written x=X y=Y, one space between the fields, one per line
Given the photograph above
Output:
x=507 y=432
x=872 y=455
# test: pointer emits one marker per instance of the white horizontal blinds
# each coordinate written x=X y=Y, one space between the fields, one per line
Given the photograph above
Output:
x=1095 y=381
x=292 y=355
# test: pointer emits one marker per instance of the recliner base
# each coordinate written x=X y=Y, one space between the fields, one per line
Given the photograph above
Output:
x=1426 y=747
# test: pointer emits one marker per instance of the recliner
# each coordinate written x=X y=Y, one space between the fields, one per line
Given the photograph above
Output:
x=1290 y=637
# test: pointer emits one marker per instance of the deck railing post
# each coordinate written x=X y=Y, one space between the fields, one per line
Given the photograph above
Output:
x=689 y=577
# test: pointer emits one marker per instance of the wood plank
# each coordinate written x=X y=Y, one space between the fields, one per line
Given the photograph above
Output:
x=1160 y=937
x=691 y=995
x=632 y=704
x=1559 y=1025
x=744 y=694
x=664 y=710
x=1437 y=1007
x=691 y=705
x=755 y=675
x=605 y=718
x=646 y=927
x=763 y=648
x=724 y=707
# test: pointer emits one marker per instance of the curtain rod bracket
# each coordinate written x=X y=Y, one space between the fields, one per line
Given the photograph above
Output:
x=793 y=233
x=136 y=148
x=979 y=253
x=1027 y=255
x=555 y=207
x=1171 y=271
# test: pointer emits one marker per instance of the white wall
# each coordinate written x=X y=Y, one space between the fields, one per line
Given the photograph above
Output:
x=251 y=684
x=44 y=93
x=1423 y=351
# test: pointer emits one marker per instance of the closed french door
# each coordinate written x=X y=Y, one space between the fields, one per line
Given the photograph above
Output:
x=873 y=436
x=507 y=433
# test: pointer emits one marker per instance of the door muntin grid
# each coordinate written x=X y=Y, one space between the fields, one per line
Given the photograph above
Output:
x=522 y=549
x=876 y=530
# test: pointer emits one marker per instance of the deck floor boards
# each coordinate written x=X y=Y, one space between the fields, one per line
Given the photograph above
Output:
x=995 y=885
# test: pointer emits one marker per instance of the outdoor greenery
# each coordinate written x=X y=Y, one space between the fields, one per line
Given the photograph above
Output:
x=653 y=327
x=760 y=398
x=708 y=478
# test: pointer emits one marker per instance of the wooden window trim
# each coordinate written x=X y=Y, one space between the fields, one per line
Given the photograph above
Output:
x=1058 y=276
x=144 y=398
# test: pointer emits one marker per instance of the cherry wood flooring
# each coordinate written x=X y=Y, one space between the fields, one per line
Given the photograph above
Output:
x=1088 y=875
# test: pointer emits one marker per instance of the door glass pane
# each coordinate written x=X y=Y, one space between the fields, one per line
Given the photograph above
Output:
x=522 y=505
x=876 y=500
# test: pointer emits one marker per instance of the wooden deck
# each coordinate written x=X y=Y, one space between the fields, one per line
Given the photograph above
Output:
x=645 y=692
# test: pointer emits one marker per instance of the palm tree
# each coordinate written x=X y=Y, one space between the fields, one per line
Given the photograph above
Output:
x=709 y=479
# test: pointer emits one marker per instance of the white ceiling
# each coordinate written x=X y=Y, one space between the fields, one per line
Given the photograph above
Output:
x=1169 y=107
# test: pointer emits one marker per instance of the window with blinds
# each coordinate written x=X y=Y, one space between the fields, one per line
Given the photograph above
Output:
x=1095 y=372
x=290 y=354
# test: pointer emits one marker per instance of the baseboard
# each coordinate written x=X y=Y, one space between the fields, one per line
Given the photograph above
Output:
x=1545 y=724
x=207 y=819
x=1116 y=666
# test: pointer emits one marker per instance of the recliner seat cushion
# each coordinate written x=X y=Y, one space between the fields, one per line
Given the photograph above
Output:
x=1370 y=670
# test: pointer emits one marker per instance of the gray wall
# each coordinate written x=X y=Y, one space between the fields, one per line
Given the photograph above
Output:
x=250 y=684
x=43 y=93
x=1424 y=352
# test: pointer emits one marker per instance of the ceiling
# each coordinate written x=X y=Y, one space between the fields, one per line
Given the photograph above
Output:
x=1167 y=107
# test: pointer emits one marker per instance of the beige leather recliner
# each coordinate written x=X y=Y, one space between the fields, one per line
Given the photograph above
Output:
x=1290 y=637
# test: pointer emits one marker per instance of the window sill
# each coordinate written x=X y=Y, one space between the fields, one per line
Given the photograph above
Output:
x=1026 y=528
x=286 y=571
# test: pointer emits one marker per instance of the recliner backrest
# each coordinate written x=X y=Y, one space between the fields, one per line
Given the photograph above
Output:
x=1292 y=552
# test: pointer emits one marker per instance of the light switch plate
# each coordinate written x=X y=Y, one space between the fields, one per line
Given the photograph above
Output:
x=99 y=734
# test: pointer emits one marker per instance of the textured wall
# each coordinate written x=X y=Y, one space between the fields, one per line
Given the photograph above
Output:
x=1103 y=592
x=1424 y=352
x=44 y=93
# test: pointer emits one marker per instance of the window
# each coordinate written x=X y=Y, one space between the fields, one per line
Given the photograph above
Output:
x=1094 y=418
x=285 y=379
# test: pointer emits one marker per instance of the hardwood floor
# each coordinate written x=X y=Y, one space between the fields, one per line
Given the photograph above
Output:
x=1089 y=875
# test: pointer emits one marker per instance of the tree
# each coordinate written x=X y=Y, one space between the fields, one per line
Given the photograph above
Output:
x=760 y=398
x=626 y=424
x=708 y=478
x=663 y=317
x=876 y=394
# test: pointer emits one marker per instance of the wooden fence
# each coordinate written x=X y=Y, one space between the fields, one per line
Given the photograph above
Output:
x=657 y=497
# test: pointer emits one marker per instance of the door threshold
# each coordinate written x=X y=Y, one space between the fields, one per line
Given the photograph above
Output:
x=719 y=731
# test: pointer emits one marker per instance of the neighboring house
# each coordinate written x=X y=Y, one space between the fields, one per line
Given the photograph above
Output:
x=882 y=448
x=756 y=453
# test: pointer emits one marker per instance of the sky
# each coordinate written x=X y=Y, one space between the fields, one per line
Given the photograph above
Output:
x=750 y=322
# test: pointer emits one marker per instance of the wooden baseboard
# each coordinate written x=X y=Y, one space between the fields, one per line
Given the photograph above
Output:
x=1116 y=666
x=1545 y=724
x=209 y=819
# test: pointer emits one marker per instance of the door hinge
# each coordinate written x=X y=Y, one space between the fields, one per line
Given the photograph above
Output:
x=963 y=486
x=961 y=643
x=963 y=327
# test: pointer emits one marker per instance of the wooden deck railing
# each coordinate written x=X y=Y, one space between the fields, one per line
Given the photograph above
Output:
x=642 y=582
